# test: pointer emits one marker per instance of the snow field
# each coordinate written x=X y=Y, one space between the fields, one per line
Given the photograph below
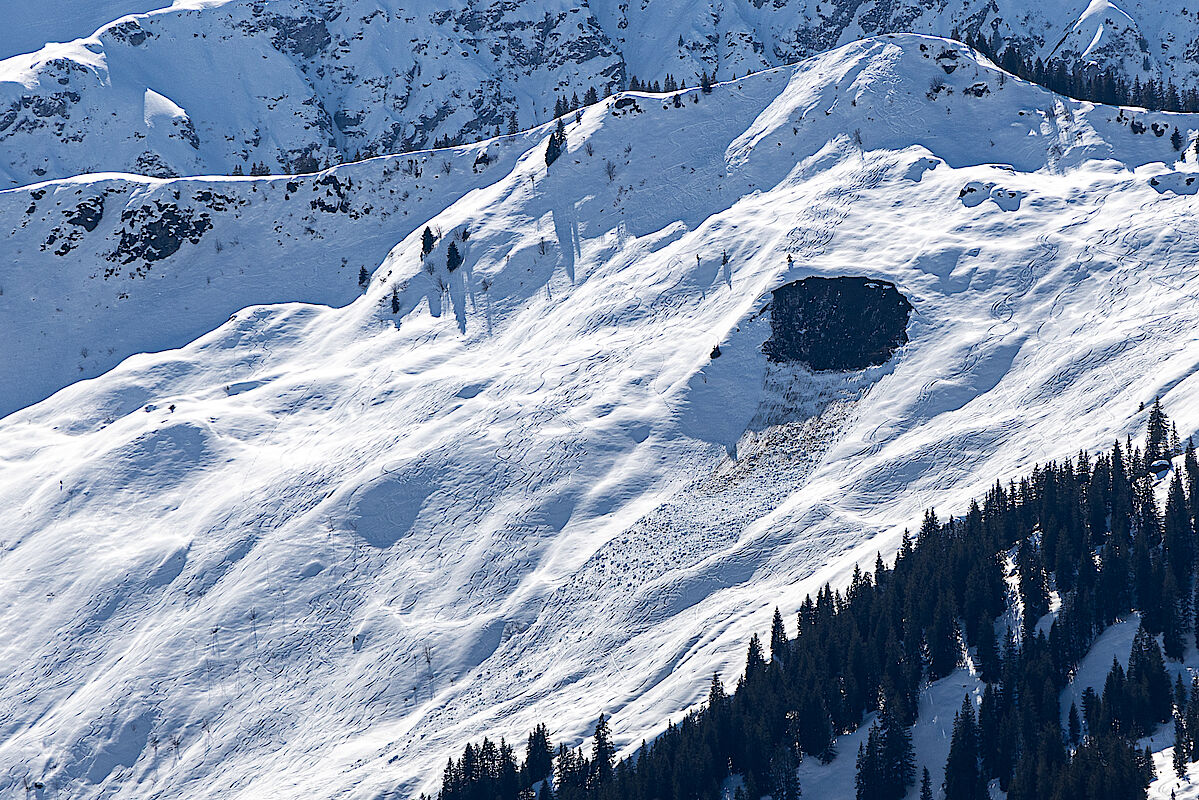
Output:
x=316 y=549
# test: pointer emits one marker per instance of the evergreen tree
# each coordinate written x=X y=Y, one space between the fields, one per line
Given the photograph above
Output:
x=868 y=777
x=705 y=83
x=395 y=301
x=363 y=276
x=815 y=730
x=886 y=763
x=784 y=782
x=1172 y=618
x=962 y=779
x=427 y=242
x=1178 y=535
x=943 y=644
x=926 y=786
x=1195 y=612
x=1073 y=726
x=1180 y=749
x=1190 y=465
x=778 y=636
x=1157 y=435
x=453 y=258
x=754 y=660
x=1033 y=590
x=898 y=758
x=603 y=752
x=1148 y=681
x=716 y=694
x=553 y=147
x=1192 y=722
x=539 y=755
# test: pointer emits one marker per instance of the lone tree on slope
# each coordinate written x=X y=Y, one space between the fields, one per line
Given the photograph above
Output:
x=453 y=259
x=556 y=143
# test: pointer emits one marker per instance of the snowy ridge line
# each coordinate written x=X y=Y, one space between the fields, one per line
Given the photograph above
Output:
x=200 y=88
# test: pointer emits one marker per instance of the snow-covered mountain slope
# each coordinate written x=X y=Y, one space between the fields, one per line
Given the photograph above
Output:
x=103 y=267
x=315 y=550
x=297 y=85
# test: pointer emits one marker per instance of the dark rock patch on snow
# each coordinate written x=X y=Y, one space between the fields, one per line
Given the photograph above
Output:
x=88 y=213
x=837 y=323
x=154 y=233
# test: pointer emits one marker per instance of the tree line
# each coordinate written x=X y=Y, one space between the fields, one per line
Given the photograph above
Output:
x=1086 y=80
x=1087 y=532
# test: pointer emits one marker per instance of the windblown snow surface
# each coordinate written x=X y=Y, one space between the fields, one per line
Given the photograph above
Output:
x=313 y=551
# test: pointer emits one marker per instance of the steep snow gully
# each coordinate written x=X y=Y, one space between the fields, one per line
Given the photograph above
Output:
x=310 y=550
